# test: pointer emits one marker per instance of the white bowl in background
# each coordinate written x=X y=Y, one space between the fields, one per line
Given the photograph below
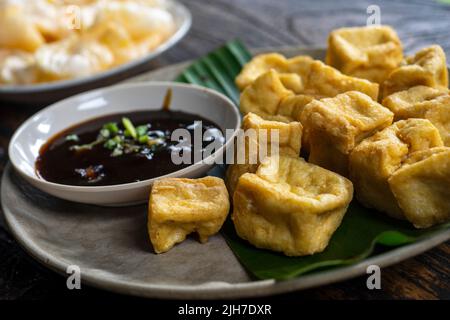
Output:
x=33 y=133
x=45 y=93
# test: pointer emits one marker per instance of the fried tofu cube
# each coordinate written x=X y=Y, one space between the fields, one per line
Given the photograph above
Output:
x=428 y=67
x=423 y=102
x=289 y=134
x=327 y=81
x=262 y=63
x=276 y=96
x=288 y=140
x=334 y=126
x=421 y=187
x=180 y=206
x=370 y=52
x=378 y=157
x=264 y=96
x=290 y=206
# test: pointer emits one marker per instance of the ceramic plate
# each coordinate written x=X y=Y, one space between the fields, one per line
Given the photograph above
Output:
x=50 y=92
x=111 y=245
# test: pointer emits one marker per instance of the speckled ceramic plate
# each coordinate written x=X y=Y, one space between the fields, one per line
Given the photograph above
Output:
x=111 y=246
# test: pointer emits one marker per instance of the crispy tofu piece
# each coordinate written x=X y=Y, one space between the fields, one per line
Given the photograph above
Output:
x=327 y=81
x=264 y=96
x=378 y=157
x=370 y=52
x=289 y=143
x=282 y=97
x=289 y=134
x=262 y=63
x=421 y=187
x=423 y=102
x=334 y=126
x=290 y=206
x=179 y=206
x=428 y=67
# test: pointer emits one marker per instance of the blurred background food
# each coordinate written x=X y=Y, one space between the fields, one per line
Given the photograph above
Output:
x=49 y=40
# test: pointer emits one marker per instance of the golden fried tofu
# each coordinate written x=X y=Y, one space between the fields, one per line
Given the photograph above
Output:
x=370 y=52
x=290 y=206
x=421 y=187
x=180 y=206
x=334 y=126
x=263 y=97
x=327 y=81
x=423 y=102
x=289 y=136
x=428 y=67
x=276 y=96
x=377 y=158
x=262 y=63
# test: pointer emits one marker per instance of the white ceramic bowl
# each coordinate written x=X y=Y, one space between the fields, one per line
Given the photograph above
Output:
x=33 y=133
x=44 y=93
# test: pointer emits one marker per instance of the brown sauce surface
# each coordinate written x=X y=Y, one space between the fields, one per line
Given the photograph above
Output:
x=58 y=163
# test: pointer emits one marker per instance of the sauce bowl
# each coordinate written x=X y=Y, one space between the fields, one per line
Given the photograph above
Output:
x=34 y=132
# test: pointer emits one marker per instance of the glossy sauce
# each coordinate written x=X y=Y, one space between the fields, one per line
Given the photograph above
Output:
x=58 y=163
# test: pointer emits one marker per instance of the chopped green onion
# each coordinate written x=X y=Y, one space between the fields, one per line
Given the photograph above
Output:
x=117 y=152
x=141 y=130
x=105 y=133
x=129 y=127
x=72 y=137
x=87 y=146
x=143 y=139
x=110 y=144
x=111 y=127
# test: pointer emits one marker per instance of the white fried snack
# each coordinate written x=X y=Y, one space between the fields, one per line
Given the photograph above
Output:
x=370 y=52
x=290 y=206
x=180 y=206
x=423 y=102
x=42 y=40
x=427 y=67
x=289 y=143
x=334 y=126
x=404 y=171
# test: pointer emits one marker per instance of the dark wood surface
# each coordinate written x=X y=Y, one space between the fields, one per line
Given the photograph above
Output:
x=262 y=23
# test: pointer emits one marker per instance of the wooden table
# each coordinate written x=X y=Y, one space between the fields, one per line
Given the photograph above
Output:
x=262 y=23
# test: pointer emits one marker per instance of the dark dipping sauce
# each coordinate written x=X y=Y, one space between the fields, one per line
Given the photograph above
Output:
x=58 y=163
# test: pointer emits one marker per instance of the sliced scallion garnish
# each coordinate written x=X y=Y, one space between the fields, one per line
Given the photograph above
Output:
x=128 y=125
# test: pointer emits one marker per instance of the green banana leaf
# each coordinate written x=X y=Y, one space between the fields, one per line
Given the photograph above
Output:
x=361 y=229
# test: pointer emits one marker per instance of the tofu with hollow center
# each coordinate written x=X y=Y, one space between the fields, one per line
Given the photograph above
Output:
x=404 y=171
x=428 y=67
x=180 y=206
x=423 y=102
x=334 y=126
x=290 y=206
x=370 y=52
x=289 y=143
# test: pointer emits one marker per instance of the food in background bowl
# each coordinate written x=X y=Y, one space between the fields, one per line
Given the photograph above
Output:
x=43 y=40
